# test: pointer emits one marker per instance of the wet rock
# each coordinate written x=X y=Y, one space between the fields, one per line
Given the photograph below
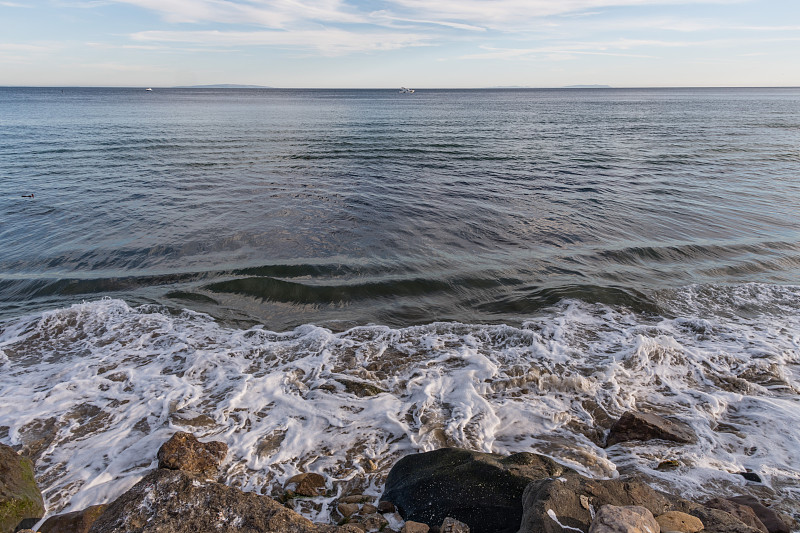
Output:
x=20 y=497
x=414 y=527
x=714 y=520
x=750 y=476
x=679 y=522
x=368 y=509
x=627 y=519
x=354 y=498
x=306 y=484
x=373 y=521
x=347 y=509
x=386 y=507
x=771 y=520
x=451 y=525
x=669 y=464
x=188 y=417
x=480 y=489
x=176 y=502
x=360 y=388
x=569 y=496
x=75 y=522
x=647 y=426
x=184 y=452
x=742 y=512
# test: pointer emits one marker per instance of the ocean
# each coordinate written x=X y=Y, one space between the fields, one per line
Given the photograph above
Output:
x=327 y=280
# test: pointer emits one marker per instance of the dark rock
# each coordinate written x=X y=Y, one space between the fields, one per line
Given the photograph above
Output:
x=482 y=490
x=773 y=522
x=172 y=501
x=386 y=507
x=20 y=497
x=742 y=512
x=750 y=476
x=26 y=525
x=306 y=484
x=360 y=388
x=647 y=426
x=184 y=452
x=573 y=498
x=75 y=522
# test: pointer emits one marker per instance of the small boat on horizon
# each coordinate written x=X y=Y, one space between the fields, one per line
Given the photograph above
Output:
x=148 y=89
x=403 y=90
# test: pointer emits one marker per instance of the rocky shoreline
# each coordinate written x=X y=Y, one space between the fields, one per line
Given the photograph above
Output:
x=448 y=490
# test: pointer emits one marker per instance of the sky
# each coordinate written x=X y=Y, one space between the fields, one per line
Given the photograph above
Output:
x=392 y=43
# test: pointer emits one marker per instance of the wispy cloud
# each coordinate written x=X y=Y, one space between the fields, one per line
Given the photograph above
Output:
x=329 y=41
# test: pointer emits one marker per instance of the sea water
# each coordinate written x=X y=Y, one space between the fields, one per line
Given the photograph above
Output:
x=329 y=280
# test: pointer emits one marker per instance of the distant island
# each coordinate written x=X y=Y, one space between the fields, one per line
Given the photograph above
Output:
x=223 y=86
x=587 y=87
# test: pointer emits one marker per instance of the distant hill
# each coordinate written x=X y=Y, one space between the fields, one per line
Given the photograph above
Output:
x=587 y=87
x=224 y=86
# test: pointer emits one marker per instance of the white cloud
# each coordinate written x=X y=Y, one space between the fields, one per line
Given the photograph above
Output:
x=328 y=41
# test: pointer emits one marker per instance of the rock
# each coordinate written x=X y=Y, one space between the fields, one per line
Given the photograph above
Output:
x=414 y=527
x=360 y=388
x=75 y=522
x=563 y=498
x=750 y=476
x=20 y=497
x=354 y=498
x=742 y=512
x=768 y=517
x=679 y=522
x=189 y=417
x=482 y=490
x=386 y=507
x=627 y=519
x=451 y=525
x=306 y=484
x=647 y=426
x=714 y=520
x=368 y=509
x=669 y=464
x=347 y=509
x=184 y=452
x=373 y=521
x=176 y=502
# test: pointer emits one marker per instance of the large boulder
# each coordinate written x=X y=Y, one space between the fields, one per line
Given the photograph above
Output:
x=571 y=500
x=647 y=426
x=20 y=497
x=184 y=452
x=483 y=490
x=75 y=522
x=171 y=501
x=771 y=520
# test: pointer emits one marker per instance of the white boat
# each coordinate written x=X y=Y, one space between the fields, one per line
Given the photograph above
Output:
x=148 y=89
x=403 y=90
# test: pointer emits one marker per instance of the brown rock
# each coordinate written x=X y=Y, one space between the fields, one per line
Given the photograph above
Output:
x=175 y=502
x=451 y=525
x=768 y=517
x=647 y=426
x=714 y=520
x=20 y=497
x=184 y=452
x=627 y=519
x=414 y=527
x=368 y=508
x=373 y=521
x=75 y=522
x=386 y=507
x=563 y=497
x=347 y=509
x=742 y=512
x=354 y=498
x=679 y=522
x=306 y=484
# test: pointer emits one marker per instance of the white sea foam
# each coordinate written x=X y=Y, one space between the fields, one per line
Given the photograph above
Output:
x=92 y=392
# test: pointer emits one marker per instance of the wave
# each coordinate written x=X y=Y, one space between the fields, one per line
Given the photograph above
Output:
x=98 y=386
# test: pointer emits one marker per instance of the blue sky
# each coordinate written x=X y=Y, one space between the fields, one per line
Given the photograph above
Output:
x=416 y=43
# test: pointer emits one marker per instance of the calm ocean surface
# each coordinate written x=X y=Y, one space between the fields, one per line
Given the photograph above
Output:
x=512 y=268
